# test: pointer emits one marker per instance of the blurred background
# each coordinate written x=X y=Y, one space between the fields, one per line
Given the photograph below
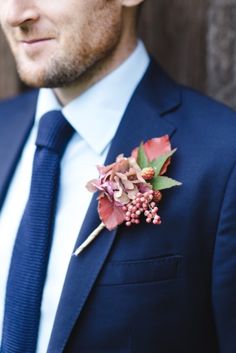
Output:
x=194 y=40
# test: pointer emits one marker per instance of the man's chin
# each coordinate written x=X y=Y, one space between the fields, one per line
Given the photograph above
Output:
x=33 y=78
x=30 y=77
x=33 y=83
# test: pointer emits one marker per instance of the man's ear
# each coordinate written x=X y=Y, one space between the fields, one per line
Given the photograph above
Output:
x=131 y=3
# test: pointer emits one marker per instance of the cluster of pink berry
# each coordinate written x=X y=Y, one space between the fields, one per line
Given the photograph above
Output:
x=143 y=203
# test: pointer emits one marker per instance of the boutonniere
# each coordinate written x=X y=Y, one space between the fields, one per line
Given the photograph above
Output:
x=130 y=188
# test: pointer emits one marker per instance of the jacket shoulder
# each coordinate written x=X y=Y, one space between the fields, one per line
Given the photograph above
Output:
x=207 y=121
x=205 y=105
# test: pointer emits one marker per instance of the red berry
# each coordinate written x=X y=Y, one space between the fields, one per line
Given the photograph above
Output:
x=157 y=196
x=148 y=173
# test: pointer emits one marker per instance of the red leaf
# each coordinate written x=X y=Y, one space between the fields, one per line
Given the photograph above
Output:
x=110 y=214
x=155 y=147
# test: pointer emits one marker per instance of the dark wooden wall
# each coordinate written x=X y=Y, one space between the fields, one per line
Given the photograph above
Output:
x=9 y=83
x=175 y=33
x=194 y=40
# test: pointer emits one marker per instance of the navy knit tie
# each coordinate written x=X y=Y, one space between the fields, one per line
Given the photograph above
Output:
x=32 y=247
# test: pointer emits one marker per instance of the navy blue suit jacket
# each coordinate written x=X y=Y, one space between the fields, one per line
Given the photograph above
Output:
x=147 y=288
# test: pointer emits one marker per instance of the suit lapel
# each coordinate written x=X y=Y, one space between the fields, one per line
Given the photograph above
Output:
x=15 y=123
x=141 y=121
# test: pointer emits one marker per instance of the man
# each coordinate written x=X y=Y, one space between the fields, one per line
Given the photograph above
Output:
x=140 y=289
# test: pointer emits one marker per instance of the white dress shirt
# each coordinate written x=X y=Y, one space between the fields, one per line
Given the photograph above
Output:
x=95 y=116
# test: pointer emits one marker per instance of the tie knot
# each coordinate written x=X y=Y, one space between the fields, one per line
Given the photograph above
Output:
x=54 y=132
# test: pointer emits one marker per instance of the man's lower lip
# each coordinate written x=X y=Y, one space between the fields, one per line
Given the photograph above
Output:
x=35 y=44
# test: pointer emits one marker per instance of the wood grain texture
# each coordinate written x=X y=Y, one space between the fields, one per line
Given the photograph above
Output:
x=175 y=33
x=9 y=82
x=221 y=51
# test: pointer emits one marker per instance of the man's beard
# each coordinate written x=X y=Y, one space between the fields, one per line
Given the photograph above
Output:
x=58 y=73
x=67 y=70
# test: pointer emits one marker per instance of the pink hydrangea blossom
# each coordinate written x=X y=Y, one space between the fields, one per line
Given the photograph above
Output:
x=118 y=184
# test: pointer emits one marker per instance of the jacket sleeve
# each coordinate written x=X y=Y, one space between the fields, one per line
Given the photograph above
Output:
x=224 y=270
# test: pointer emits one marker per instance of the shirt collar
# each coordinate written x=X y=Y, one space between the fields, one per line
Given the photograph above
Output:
x=96 y=114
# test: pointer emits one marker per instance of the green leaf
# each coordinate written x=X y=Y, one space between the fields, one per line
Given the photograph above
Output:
x=163 y=182
x=142 y=159
x=158 y=163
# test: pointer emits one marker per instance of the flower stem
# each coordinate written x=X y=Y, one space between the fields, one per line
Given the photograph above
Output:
x=90 y=238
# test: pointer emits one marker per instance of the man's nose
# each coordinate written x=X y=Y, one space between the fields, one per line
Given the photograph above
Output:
x=18 y=12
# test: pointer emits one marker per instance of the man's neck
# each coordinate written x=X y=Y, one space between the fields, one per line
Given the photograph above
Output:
x=97 y=72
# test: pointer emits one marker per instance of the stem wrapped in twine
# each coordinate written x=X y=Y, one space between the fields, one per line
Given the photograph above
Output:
x=90 y=238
